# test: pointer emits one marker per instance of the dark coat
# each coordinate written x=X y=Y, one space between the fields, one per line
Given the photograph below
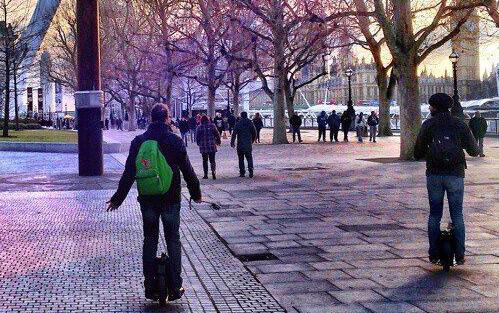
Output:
x=295 y=121
x=346 y=120
x=258 y=122
x=207 y=137
x=173 y=149
x=245 y=132
x=183 y=126
x=425 y=137
x=322 y=121
x=478 y=126
x=372 y=120
x=334 y=121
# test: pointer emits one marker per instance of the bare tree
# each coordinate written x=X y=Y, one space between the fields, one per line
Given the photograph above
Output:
x=410 y=45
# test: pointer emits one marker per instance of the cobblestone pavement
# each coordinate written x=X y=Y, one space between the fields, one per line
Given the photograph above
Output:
x=340 y=228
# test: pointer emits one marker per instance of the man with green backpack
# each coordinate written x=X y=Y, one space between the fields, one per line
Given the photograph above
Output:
x=155 y=162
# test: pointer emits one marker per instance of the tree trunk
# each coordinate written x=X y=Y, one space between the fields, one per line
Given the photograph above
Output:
x=410 y=108
x=5 y=132
x=132 y=119
x=290 y=105
x=384 y=128
x=211 y=100
x=235 y=102
x=16 y=103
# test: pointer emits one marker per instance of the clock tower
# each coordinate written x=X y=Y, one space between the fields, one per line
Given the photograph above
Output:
x=467 y=44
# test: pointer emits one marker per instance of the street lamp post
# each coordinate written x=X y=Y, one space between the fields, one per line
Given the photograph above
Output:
x=89 y=97
x=349 y=73
x=457 y=109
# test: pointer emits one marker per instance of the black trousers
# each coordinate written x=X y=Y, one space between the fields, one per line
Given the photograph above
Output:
x=296 y=132
x=333 y=134
x=249 y=158
x=322 y=133
x=258 y=134
x=213 y=164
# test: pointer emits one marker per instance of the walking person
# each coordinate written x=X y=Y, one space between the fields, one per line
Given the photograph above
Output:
x=258 y=122
x=163 y=152
x=245 y=133
x=478 y=126
x=231 y=121
x=295 y=123
x=360 y=125
x=333 y=122
x=322 y=124
x=183 y=127
x=192 y=128
x=208 y=138
x=219 y=122
x=441 y=141
x=373 y=122
x=346 y=123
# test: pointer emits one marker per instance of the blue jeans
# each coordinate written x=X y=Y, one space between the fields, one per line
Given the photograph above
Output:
x=170 y=218
x=437 y=186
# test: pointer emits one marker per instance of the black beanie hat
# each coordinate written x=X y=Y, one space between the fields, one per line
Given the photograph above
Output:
x=441 y=101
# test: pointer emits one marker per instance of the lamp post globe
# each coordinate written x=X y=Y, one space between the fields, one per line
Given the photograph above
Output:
x=457 y=109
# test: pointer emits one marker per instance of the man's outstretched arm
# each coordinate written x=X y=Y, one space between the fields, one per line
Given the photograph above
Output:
x=127 y=178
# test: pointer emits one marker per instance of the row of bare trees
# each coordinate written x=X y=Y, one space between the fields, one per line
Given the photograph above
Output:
x=154 y=48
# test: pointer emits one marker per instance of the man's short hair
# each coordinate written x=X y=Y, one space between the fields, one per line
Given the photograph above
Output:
x=160 y=112
x=441 y=101
x=244 y=114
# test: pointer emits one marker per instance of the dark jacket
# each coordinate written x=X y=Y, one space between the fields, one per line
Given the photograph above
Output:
x=372 y=120
x=334 y=121
x=175 y=154
x=295 y=121
x=453 y=125
x=245 y=133
x=207 y=137
x=258 y=122
x=183 y=126
x=192 y=123
x=346 y=120
x=478 y=126
x=322 y=121
x=231 y=120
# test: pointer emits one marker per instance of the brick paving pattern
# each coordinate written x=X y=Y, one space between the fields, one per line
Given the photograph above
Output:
x=343 y=227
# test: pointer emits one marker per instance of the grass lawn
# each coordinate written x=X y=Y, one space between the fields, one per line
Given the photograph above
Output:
x=41 y=135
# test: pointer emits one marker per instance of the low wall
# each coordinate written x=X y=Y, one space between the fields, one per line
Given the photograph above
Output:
x=57 y=147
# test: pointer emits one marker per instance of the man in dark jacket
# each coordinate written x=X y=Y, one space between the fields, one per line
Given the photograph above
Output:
x=295 y=123
x=479 y=127
x=165 y=207
x=334 y=122
x=322 y=124
x=373 y=122
x=192 y=128
x=347 y=118
x=183 y=127
x=441 y=141
x=231 y=120
x=245 y=133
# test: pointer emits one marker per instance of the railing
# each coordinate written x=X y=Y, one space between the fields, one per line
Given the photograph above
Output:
x=311 y=123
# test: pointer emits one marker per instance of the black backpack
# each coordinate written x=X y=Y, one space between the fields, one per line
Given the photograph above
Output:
x=446 y=151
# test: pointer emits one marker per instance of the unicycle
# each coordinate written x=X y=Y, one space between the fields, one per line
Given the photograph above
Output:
x=162 y=278
x=447 y=245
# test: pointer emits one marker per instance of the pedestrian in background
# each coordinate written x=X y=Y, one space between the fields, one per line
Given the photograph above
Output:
x=373 y=122
x=478 y=126
x=295 y=123
x=192 y=128
x=245 y=134
x=208 y=138
x=333 y=122
x=322 y=124
x=231 y=121
x=346 y=123
x=219 y=122
x=360 y=124
x=258 y=122
x=183 y=127
x=441 y=141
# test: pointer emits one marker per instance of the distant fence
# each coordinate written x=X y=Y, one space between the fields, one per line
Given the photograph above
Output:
x=311 y=123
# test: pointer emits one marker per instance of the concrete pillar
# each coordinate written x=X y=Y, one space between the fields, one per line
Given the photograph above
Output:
x=88 y=98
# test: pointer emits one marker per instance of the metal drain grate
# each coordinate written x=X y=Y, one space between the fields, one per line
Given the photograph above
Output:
x=256 y=257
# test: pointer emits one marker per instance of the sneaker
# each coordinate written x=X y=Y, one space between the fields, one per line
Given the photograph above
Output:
x=214 y=175
x=460 y=260
x=205 y=177
x=434 y=260
x=251 y=175
x=176 y=295
x=482 y=155
x=242 y=175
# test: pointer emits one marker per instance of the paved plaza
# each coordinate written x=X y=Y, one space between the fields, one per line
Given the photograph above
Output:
x=321 y=228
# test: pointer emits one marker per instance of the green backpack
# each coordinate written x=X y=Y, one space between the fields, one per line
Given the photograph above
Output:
x=154 y=175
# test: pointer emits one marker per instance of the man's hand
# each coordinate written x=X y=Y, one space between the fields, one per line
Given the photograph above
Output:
x=200 y=200
x=111 y=206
